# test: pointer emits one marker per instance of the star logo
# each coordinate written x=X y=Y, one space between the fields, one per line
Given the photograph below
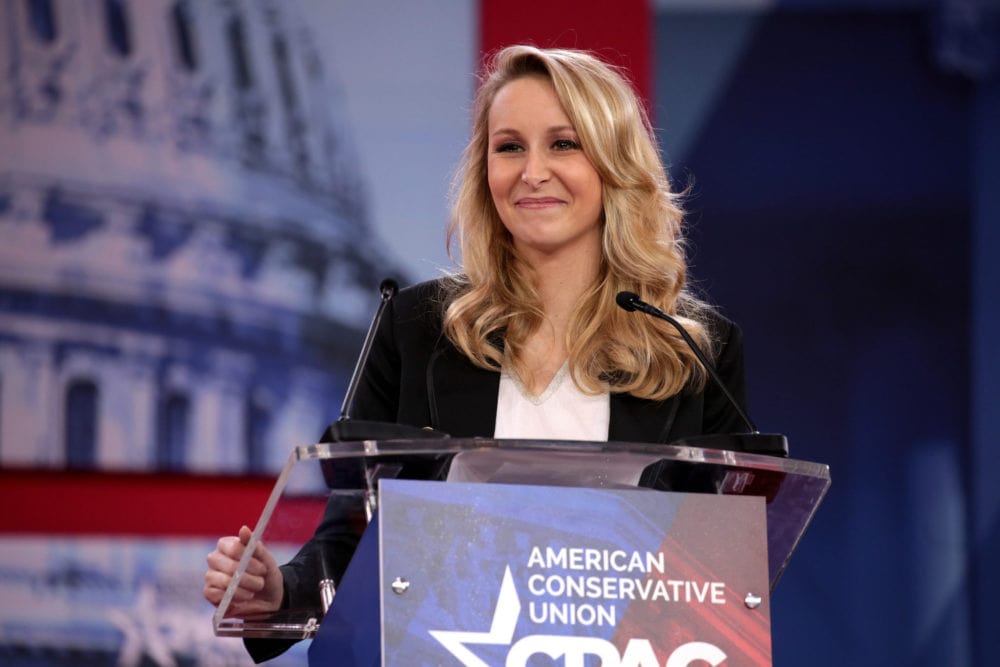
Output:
x=571 y=649
x=501 y=631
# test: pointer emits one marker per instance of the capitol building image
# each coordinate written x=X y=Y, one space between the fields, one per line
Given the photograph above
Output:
x=187 y=265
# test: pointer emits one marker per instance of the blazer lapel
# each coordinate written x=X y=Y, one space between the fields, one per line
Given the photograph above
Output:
x=463 y=395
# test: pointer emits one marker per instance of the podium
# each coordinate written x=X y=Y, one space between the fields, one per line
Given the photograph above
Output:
x=501 y=552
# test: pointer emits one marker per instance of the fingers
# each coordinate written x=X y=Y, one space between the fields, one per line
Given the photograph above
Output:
x=264 y=557
x=228 y=553
x=213 y=594
x=217 y=582
x=247 y=589
x=220 y=562
x=230 y=546
x=260 y=552
x=260 y=584
x=223 y=563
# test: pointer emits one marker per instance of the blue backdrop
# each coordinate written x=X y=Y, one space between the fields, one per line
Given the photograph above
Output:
x=843 y=165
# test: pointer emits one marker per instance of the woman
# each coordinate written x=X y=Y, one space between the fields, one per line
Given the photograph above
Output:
x=562 y=202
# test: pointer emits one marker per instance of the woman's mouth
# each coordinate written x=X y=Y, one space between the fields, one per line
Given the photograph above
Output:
x=538 y=202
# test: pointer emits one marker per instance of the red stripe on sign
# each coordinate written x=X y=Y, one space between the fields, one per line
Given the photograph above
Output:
x=62 y=502
x=619 y=32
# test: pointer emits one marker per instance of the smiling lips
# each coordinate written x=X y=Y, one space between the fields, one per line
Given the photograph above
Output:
x=538 y=202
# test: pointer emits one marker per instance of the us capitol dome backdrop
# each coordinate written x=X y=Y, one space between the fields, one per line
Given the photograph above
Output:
x=186 y=262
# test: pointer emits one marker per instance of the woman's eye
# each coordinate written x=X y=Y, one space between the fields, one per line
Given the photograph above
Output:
x=565 y=145
x=508 y=147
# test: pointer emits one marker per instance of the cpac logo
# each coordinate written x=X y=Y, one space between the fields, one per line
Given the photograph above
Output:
x=572 y=650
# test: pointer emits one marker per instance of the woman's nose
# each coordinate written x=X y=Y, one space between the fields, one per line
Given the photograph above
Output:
x=536 y=170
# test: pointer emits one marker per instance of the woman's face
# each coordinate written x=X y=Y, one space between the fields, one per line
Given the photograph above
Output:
x=546 y=191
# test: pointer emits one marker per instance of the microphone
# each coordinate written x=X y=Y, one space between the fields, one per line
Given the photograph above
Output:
x=753 y=441
x=387 y=289
x=345 y=429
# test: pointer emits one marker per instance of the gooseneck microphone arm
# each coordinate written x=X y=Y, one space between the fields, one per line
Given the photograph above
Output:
x=631 y=302
x=387 y=290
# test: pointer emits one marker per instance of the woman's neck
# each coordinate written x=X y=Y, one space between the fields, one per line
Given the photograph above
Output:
x=560 y=283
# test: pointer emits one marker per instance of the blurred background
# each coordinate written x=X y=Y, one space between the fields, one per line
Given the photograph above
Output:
x=198 y=200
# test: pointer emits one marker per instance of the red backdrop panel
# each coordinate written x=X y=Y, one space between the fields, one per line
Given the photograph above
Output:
x=620 y=32
x=58 y=502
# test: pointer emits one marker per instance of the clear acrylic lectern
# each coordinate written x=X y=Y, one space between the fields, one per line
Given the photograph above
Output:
x=338 y=483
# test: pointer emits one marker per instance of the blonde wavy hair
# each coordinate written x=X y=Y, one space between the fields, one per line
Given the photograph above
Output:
x=493 y=299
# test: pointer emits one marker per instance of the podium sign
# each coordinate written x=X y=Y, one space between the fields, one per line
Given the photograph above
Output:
x=498 y=574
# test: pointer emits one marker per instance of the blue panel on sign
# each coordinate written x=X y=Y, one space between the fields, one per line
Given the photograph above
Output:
x=496 y=571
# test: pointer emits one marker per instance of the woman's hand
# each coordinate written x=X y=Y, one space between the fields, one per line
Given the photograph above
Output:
x=261 y=587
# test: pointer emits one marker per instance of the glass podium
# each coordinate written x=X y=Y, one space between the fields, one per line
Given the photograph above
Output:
x=334 y=487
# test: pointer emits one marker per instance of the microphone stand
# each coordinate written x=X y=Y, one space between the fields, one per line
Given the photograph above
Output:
x=753 y=441
x=346 y=429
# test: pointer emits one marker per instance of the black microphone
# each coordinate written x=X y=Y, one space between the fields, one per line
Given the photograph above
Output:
x=345 y=429
x=387 y=289
x=753 y=440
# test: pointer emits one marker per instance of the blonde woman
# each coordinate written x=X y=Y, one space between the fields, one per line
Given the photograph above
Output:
x=561 y=202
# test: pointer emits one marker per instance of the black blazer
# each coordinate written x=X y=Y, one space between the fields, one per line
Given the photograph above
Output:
x=416 y=376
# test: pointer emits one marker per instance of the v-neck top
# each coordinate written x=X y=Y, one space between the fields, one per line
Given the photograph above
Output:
x=561 y=412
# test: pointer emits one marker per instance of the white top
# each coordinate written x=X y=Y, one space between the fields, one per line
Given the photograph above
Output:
x=561 y=412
